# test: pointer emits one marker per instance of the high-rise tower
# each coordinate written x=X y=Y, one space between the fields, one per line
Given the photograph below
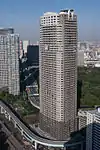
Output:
x=58 y=73
x=13 y=64
x=3 y=62
x=4 y=56
x=9 y=63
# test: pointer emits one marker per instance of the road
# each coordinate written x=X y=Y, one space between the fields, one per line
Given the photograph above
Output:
x=32 y=135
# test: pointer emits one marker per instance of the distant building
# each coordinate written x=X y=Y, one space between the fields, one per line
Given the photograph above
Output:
x=84 y=46
x=82 y=119
x=21 y=49
x=33 y=55
x=80 y=58
x=58 y=73
x=3 y=62
x=9 y=63
x=93 y=130
x=13 y=64
x=25 y=44
x=5 y=31
x=3 y=56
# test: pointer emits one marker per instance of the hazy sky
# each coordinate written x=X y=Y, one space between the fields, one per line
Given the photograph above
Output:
x=23 y=16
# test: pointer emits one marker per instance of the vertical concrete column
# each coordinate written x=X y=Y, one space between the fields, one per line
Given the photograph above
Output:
x=5 y=113
x=35 y=145
x=9 y=117
x=15 y=124
x=1 y=110
x=22 y=132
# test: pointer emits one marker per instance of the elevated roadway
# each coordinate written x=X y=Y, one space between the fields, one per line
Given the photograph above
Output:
x=28 y=133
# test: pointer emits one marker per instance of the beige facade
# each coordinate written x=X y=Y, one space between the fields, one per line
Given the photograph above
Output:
x=58 y=73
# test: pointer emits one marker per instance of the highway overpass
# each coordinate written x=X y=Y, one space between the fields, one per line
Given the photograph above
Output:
x=31 y=135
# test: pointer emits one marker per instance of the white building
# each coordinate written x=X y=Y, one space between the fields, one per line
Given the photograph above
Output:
x=93 y=130
x=9 y=63
x=82 y=119
x=3 y=62
x=3 y=56
x=80 y=55
x=21 y=49
x=13 y=64
x=25 y=44
x=58 y=73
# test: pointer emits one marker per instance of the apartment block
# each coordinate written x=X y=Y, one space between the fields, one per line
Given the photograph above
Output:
x=58 y=73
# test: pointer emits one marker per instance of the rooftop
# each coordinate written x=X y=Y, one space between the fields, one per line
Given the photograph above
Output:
x=50 y=13
x=95 y=112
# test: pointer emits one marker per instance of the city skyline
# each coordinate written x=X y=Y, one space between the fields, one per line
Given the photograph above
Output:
x=24 y=17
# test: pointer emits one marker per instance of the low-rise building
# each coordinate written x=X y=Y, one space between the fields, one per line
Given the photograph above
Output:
x=82 y=119
x=93 y=130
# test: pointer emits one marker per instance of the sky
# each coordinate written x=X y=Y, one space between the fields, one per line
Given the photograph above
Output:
x=24 y=15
